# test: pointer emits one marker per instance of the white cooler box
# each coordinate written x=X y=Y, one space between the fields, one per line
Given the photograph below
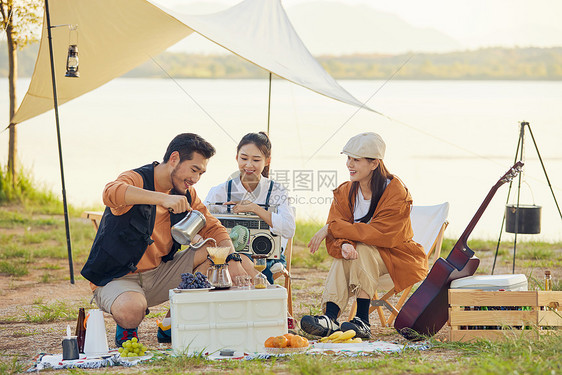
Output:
x=510 y=283
x=207 y=321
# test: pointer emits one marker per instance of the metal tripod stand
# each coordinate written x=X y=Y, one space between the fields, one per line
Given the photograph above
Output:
x=519 y=154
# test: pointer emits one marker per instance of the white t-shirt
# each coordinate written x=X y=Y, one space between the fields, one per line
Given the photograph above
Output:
x=362 y=205
x=283 y=220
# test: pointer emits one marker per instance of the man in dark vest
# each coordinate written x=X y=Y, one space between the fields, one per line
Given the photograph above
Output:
x=134 y=261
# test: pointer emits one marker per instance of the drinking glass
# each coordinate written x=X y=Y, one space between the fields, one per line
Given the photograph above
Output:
x=260 y=281
x=259 y=264
x=243 y=281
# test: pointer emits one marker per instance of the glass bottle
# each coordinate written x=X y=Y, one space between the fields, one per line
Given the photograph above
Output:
x=81 y=329
x=547 y=281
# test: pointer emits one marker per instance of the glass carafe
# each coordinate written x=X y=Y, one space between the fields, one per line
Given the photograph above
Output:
x=219 y=277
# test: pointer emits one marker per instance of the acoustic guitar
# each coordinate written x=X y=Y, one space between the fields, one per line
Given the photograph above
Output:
x=426 y=311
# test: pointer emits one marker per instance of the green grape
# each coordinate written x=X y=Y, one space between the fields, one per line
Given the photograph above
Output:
x=141 y=353
x=136 y=350
x=132 y=355
x=135 y=345
x=134 y=339
x=120 y=350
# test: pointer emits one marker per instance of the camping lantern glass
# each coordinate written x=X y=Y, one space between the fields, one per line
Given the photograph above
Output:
x=72 y=62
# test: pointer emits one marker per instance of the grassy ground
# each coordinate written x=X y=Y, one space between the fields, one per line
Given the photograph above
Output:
x=37 y=302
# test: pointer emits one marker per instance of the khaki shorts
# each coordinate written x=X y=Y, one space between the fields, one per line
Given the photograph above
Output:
x=347 y=278
x=153 y=284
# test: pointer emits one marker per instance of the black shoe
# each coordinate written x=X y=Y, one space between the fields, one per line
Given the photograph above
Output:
x=164 y=337
x=362 y=329
x=164 y=334
x=319 y=325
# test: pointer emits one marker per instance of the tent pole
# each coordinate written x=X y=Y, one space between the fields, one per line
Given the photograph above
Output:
x=67 y=227
x=269 y=104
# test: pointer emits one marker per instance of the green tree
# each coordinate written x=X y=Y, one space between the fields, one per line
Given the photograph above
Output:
x=21 y=20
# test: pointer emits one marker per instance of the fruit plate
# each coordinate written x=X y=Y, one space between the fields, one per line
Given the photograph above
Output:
x=147 y=355
x=287 y=350
x=178 y=290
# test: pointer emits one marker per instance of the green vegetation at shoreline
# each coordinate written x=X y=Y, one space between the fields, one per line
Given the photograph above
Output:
x=482 y=64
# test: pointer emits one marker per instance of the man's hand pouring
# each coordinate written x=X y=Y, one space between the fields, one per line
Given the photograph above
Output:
x=176 y=203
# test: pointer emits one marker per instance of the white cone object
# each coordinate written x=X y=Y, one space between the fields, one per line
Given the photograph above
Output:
x=95 y=343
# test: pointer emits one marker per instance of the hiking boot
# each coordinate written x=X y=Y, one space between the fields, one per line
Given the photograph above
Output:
x=123 y=334
x=319 y=325
x=362 y=329
x=164 y=334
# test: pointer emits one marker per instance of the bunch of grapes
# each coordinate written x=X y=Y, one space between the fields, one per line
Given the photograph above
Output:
x=191 y=281
x=132 y=348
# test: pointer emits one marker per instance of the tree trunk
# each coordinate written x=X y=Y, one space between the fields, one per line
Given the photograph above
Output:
x=12 y=78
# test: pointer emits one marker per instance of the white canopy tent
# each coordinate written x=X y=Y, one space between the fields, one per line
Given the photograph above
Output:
x=113 y=37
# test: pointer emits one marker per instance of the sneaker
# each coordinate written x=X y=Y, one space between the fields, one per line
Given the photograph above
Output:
x=164 y=334
x=319 y=325
x=123 y=334
x=362 y=329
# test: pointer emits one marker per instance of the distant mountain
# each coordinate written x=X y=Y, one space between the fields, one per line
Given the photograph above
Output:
x=330 y=28
x=336 y=28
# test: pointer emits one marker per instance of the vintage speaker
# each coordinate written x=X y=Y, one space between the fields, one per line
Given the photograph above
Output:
x=262 y=241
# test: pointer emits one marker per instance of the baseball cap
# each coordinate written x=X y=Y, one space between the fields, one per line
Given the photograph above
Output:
x=365 y=145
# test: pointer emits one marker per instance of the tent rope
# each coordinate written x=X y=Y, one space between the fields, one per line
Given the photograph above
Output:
x=363 y=105
x=193 y=99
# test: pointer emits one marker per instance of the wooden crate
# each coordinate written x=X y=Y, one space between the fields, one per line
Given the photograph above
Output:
x=477 y=314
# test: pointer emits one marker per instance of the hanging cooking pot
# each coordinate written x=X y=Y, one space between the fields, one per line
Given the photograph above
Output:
x=526 y=218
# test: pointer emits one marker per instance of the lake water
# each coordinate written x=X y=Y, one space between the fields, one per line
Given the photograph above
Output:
x=449 y=140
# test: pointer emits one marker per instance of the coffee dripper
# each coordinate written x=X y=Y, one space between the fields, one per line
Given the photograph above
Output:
x=218 y=274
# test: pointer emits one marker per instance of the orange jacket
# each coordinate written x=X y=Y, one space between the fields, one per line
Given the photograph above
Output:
x=390 y=231
x=114 y=197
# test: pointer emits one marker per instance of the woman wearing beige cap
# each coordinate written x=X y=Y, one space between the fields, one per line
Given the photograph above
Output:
x=368 y=233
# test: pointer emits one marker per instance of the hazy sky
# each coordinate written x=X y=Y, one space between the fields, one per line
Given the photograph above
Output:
x=473 y=23
x=479 y=22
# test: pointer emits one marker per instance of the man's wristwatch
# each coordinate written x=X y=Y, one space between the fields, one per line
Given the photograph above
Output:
x=233 y=256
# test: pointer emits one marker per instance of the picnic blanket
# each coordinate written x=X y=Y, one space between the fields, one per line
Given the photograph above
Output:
x=55 y=362
x=364 y=348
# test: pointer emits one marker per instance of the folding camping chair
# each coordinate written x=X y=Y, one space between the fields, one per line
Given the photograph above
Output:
x=287 y=275
x=287 y=271
x=94 y=216
x=429 y=224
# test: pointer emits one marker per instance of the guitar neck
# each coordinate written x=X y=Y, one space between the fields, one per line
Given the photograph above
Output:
x=464 y=236
x=462 y=242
